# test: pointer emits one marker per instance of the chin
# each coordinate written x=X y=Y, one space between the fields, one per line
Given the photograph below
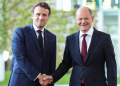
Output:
x=83 y=29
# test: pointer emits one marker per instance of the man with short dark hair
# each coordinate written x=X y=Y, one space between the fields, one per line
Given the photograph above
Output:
x=34 y=49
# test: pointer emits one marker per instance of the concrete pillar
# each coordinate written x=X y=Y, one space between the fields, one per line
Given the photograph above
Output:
x=118 y=59
x=59 y=4
x=2 y=68
x=100 y=22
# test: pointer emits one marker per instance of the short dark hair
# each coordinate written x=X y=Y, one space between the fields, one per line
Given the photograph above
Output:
x=42 y=4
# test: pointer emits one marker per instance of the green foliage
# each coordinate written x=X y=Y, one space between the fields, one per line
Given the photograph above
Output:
x=73 y=29
x=3 y=26
x=118 y=80
x=17 y=13
x=14 y=13
x=7 y=77
x=64 y=80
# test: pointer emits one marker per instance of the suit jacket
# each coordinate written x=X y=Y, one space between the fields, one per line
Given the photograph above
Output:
x=93 y=69
x=28 y=60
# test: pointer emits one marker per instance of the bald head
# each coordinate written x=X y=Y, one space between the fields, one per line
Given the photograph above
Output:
x=84 y=9
x=84 y=19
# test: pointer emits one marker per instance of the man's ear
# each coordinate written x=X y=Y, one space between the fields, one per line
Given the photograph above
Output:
x=92 y=18
x=32 y=15
x=48 y=17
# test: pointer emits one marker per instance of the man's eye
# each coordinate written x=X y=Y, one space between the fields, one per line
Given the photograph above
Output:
x=79 y=19
x=44 y=15
x=86 y=18
x=38 y=14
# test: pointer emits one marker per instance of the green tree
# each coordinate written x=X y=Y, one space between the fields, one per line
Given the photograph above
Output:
x=3 y=25
x=17 y=13
x=14 y=13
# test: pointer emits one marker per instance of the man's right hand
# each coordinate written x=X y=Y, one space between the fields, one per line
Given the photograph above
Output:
x=44 y=79
x=48 y=77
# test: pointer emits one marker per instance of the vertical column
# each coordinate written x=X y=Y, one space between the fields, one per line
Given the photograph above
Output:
x=100 y=22
x=2 y=68
x=58 y=4
x=66 y=5
x=118 y=59
x=119 y=4
x=84 y=2
x=100 y=4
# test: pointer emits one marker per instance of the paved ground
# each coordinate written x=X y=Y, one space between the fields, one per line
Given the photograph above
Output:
x=62 y=85
x=68 y=85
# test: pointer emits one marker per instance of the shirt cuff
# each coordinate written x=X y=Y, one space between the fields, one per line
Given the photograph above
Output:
x=37 y=76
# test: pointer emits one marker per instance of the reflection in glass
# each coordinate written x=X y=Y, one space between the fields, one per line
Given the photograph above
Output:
x=111 y=29
x=110 y=4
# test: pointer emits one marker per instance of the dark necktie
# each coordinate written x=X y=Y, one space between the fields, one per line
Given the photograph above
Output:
x=40 y=39
x=84 y=48
x=83 y=51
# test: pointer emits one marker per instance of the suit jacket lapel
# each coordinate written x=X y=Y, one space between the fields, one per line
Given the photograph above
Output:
x=94 y=40
x=77 y=48
x=32 y=32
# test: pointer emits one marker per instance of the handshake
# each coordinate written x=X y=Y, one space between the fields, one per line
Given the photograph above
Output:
x=45 y=79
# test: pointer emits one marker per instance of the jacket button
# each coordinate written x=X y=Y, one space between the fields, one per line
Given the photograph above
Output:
x=83 y=66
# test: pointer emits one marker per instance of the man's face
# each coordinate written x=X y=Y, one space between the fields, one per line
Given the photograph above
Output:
x=40 y=17
x=84 y=20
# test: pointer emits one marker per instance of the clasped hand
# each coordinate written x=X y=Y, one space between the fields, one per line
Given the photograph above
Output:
x=45 y=79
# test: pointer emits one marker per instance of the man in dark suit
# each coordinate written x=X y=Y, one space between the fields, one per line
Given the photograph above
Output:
x=34 y=52
x=87 y=51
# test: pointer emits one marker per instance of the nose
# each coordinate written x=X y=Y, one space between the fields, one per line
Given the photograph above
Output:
x=83 y=21
x=40 y=17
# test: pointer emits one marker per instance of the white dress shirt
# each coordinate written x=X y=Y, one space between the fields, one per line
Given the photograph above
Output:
x=36 y=29
x=87 y=38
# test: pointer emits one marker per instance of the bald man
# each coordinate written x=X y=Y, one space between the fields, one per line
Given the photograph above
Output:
x=87 y=51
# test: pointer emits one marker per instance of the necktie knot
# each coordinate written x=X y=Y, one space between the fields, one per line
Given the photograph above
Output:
x=84 y=35
x=39 y=31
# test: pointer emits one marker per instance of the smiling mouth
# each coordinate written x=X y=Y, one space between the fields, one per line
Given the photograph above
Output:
x=40 y=21
x=83 y=24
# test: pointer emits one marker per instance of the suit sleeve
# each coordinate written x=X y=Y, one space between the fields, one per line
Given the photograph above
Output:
x=110 y=62
x=64 y=66
x=19 y=51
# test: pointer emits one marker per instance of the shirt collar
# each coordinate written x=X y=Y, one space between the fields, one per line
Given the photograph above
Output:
x=90 y=32
x=35 y=28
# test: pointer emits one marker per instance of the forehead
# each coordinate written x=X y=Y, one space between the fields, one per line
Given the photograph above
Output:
x=39 y=9
x=83 y=12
